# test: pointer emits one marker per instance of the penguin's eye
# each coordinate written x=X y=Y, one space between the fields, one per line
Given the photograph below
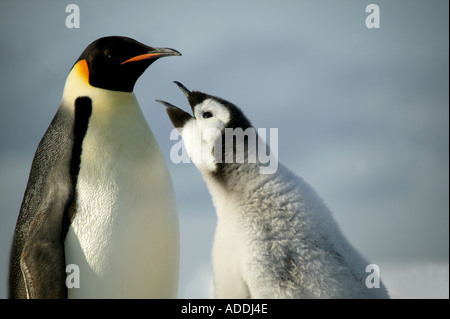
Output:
x=109 y=56
x=207 y=115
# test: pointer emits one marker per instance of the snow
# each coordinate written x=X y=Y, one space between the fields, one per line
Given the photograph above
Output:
x=416 y=280
x=404 y=280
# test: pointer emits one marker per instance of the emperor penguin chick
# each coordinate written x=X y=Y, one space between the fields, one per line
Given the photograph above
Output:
x=275 y=238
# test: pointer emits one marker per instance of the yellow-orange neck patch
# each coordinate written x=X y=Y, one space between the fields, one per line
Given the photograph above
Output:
x=82 y=70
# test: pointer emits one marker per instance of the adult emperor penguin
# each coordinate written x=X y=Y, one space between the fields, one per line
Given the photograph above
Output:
x=99 y=196
x=275 y=238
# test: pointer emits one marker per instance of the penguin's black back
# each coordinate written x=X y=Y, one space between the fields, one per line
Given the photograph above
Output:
x=38 y=244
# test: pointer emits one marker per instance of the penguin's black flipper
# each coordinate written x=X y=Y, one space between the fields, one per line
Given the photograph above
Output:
x=37 y=265
x=42 y=261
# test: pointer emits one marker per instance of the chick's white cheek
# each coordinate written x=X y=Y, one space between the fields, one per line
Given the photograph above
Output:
x=190 y=134
x=210 y=135
x=196 y=140
x=218 y=111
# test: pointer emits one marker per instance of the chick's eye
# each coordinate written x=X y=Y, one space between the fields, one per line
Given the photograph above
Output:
x=207 y=115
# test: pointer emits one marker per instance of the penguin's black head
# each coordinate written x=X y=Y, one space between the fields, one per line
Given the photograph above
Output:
x=206 y=133
x=115 y=63
x=223 y=113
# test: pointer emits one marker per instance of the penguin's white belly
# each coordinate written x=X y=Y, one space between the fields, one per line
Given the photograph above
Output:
x=124 y=237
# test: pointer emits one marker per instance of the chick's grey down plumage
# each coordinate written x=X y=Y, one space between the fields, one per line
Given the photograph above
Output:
x=275 y=237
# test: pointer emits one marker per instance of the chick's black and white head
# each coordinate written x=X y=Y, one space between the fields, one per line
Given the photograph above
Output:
x=203 y=132
x=115 y=63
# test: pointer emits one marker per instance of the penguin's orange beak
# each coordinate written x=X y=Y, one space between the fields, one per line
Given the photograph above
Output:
x=153 y=54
